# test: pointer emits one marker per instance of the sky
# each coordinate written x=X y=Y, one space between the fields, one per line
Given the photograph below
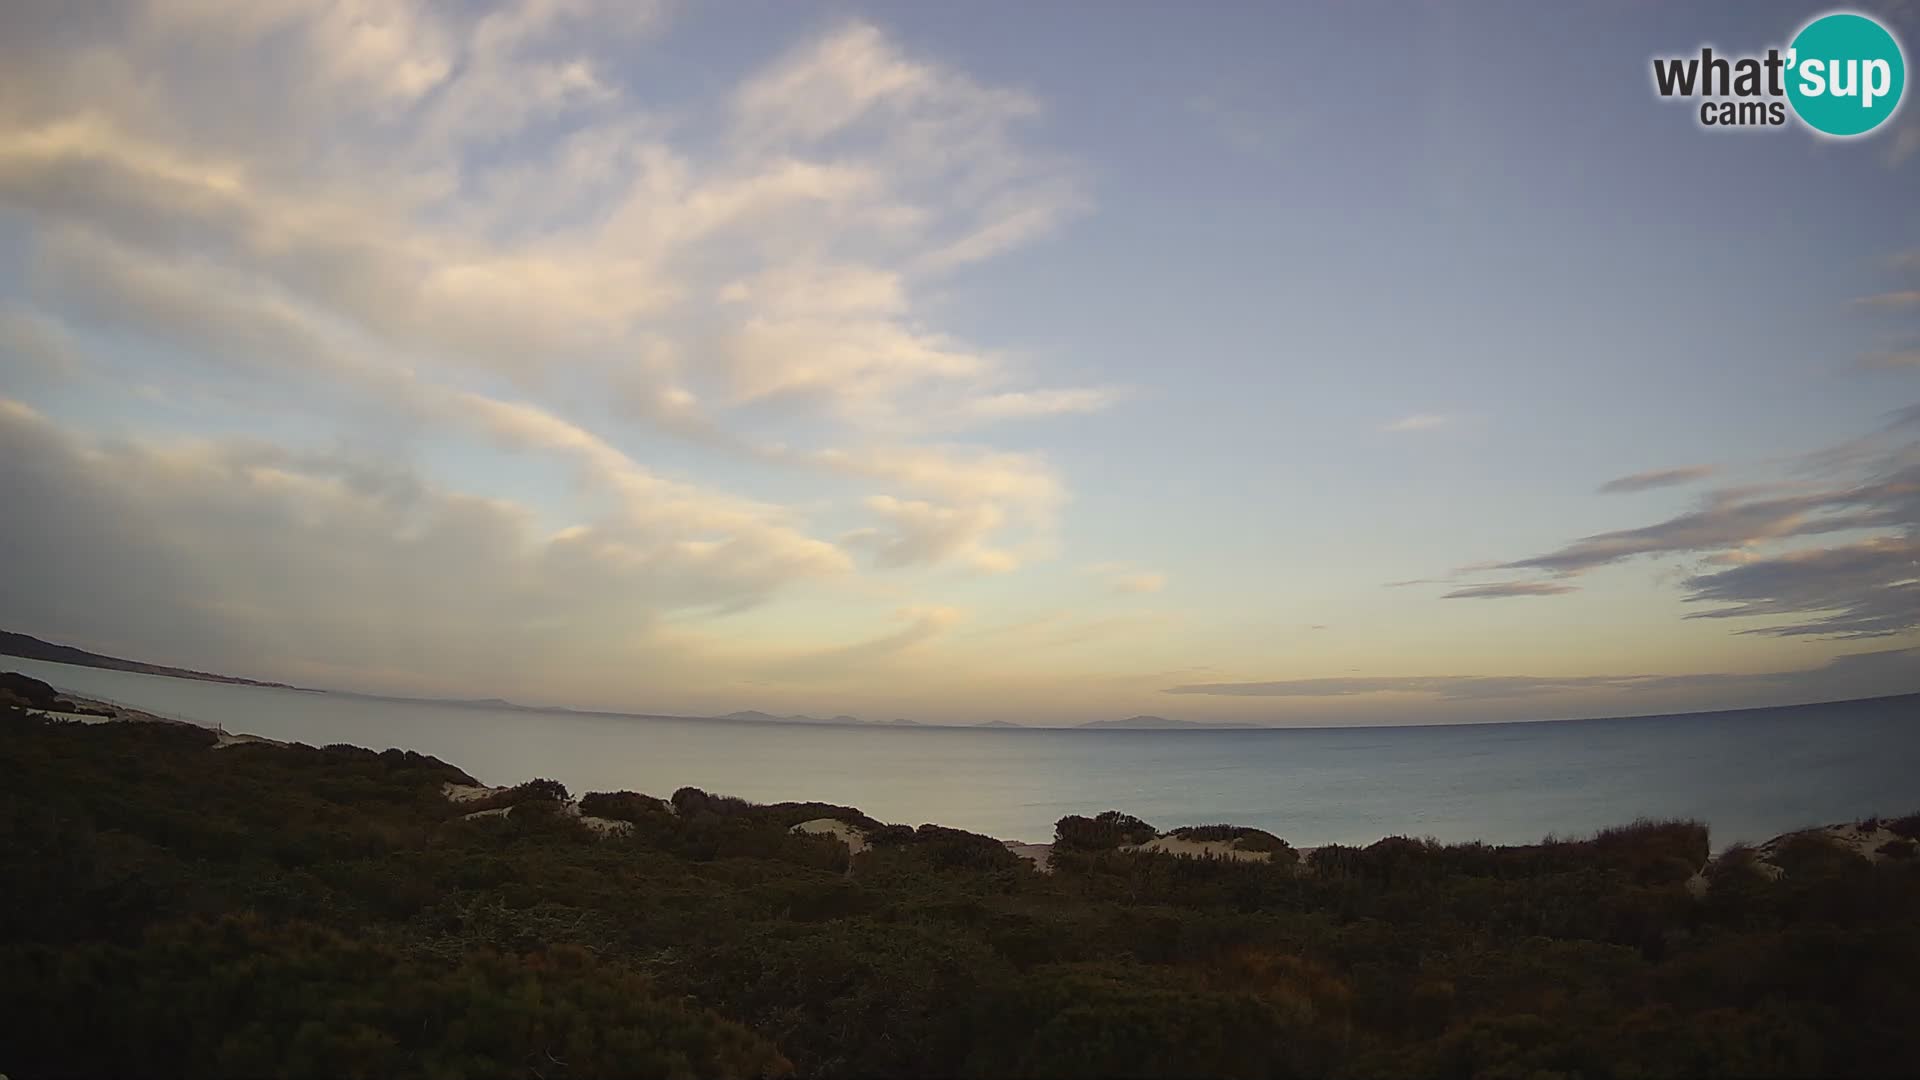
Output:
x=1299 y=365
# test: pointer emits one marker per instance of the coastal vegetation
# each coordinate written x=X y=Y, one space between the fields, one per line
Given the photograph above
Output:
x=173 y=908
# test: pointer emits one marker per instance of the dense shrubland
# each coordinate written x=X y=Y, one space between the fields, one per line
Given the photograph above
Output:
x=262 y=910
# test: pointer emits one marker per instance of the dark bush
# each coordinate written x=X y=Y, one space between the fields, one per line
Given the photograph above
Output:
x=1103 y=832
x=789 y=814
x=27 y=690
x=541 y=790
x=692 y=802
x=1812 y=853
x=717 y=942
x=623 y=805
x=1243 y=838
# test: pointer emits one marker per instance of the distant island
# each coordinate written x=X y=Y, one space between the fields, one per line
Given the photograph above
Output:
x=32 y=648
x=758 y=717
x=1156 y=723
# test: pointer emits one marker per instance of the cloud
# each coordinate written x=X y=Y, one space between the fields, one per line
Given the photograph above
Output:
x=935 y=126
x=34 y=343
x=1124 y=577
x=1894 y=358
x=922 y=624
x=253 y=556
x=1756 y=539
x=921 y=533
x=1870 y=589
x=1904 y=144
x=1656 y=478
x=455 y=220
x=1854 y=675
x=1501 y=589
x=823 y=87
x=1418 y=422
x=1891 y=301
x=1727 y=524
x=1022 y=404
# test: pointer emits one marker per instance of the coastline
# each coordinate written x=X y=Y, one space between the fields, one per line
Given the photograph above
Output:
x=98 y=662
x=1871 y=838
x=309 y=896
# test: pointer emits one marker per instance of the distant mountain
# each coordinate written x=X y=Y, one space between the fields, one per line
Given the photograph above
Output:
x=901 y=722
x=759 y=717
x=996 y=723
x=32 y=648
x=1154 y=723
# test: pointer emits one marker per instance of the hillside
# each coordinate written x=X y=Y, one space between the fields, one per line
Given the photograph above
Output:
x=32 y=648
x=176 y=905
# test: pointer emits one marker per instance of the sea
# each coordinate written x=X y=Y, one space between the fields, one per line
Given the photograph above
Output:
x=1750 y=775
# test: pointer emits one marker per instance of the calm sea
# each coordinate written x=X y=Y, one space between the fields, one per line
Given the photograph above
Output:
x=1750 y=775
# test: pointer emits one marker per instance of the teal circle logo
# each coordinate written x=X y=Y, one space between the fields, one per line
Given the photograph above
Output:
x=1845 y=74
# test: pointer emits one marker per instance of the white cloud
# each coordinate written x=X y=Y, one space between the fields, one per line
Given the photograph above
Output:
x=1891 y=301
x=452 y=225
x=829 y=84
x=1029 y=403
x=1418 y=422
x=1124 y=577
x=31 y=342
x=248 y=555
x=922 y=533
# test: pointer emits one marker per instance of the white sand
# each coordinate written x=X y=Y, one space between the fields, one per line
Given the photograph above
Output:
x=600 y=825
x=461 y=793
x=606 y=826
x=1037 y=854
x=1200 y=849
x=222 y=740
x=122 y=714
x=84 y=718
x=468 y=792
x=1697 y=885
x=1851 y=835
x=853 y=837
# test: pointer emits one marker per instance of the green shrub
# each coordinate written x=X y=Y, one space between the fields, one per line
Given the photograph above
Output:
x=623 y=806
x=1102 y=832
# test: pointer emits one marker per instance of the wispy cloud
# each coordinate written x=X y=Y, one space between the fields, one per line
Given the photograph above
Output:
x=452 y=225
x=1862 y=588
x=1656 y=478
x=1892 y=301
x=1418 y=422
x=1894 y=358
x=920 y=625
x=1502 y=589
x=1124 y=577
x=1870 y=589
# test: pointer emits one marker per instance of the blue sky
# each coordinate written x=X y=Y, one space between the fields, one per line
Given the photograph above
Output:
x=960 y=362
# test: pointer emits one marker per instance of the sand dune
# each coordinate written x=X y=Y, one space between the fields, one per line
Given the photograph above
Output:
x=855 y=838
x=1199 y=849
